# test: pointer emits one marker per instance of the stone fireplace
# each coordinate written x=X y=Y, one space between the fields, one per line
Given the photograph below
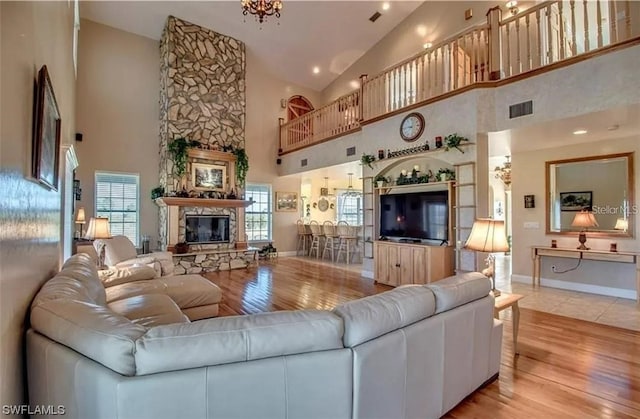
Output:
x=202 y=98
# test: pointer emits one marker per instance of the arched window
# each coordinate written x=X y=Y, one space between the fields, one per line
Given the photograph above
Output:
x=297 y=106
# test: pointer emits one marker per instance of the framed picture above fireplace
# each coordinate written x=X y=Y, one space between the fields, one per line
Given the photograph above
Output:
x=208 y=177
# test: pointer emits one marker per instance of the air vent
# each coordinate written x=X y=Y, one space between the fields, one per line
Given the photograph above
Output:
x=351 y=151
x=375 y=16
x=303 y=162
x=521 y=109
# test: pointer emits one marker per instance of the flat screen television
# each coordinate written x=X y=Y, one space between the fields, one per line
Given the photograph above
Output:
x=420 y=215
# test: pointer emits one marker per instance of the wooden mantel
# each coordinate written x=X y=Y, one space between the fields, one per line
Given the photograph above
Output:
x=168 y=201
x=199 y=153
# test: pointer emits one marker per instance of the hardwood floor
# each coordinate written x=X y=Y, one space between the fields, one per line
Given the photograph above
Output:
x=567 y=368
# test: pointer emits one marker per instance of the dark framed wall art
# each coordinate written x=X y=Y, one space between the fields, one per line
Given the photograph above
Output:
x=45 y=154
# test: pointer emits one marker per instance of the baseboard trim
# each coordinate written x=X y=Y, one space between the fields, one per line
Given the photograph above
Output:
x=367 y=274
x=286 y=254
x=578 y=286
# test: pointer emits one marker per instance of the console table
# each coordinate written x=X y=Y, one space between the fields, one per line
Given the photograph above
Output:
x=537 y=252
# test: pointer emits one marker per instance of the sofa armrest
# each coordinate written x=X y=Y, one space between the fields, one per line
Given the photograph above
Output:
x=123 y=275
x=142 y=261
x=165 y=259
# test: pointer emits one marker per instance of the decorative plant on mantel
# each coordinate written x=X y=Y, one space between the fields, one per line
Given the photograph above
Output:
x=242 y=165
x=178 y=148
x=453 y=141
x=157 y=192
x=367 y=159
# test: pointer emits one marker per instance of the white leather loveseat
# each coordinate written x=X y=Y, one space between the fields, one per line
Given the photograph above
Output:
x=411 y=352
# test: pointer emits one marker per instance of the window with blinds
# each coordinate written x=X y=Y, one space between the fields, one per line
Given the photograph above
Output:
x=117 y=199
x=350 y=208
x=258 y=215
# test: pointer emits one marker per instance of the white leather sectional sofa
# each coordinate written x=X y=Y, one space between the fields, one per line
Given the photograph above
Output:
x=413 y=352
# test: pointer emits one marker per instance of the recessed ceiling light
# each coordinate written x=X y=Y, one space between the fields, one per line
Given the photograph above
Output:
x=427 y=45
x=579 y=132
x=355 y=84
x=316 y=70
x=421 y=30
x=386 y=5
x=613 y=127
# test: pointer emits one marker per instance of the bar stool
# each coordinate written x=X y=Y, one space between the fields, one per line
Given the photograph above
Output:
x=331 y=239
x=316 y=238
x=348 y=240
x=304 y=236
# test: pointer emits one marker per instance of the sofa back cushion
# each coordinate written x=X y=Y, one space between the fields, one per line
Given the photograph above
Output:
x=70 y=309
x=81 y=282
x=236 y=339
x=459 y=289
x=370 y=317
x=116 y=249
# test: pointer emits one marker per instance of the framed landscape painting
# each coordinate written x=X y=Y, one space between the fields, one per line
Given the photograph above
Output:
x=45 y=153
x=286 y=201
x=576 y=201
x=208 y=177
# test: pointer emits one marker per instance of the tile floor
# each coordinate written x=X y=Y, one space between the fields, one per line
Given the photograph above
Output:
x=612 y=311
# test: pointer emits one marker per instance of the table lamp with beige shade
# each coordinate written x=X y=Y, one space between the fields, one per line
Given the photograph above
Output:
x=584 y=219
x=80 y=219
x=622 y=224
x=488 y=236
x=99 y=229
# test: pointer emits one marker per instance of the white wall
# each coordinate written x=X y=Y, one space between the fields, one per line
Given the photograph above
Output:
x=264 y=91
x=118 y=114
x=529 y=179
x=32 y=34
x=433 y=21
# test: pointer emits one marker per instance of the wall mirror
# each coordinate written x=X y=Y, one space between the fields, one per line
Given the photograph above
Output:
x=603 y=185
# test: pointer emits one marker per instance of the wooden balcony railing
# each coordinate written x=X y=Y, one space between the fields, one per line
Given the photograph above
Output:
x=545 y=34
x=557 y=30
x=449 y=65
x=335 y=119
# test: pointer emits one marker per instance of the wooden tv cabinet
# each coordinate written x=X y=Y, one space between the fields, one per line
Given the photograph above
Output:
x=406 y=263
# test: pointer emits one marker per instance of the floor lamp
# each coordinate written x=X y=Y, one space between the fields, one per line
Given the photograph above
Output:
x=488 y=236
x=99 y=229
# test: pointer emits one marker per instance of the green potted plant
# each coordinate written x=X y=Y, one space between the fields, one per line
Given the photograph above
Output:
x=454 y=141
x=380 y=181
x=157 y=192
x=178 y=149
x=367 y=160
x=242 y=165
x=445 y=174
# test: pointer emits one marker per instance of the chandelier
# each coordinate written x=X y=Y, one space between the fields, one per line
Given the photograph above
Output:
x=504 y=173
x=325 y=191
x=350 y=191
x=261 y=8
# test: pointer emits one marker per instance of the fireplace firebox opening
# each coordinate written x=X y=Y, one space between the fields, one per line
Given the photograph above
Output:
x=202 y=229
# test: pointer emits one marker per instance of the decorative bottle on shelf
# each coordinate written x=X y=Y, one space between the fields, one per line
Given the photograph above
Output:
x=438 y=142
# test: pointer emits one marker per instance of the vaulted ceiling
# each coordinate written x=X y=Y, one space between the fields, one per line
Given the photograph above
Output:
x=329 y=34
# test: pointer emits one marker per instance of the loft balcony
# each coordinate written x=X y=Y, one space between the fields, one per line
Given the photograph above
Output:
x=545 y=37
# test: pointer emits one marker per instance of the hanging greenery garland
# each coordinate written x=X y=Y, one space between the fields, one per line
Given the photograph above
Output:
x=242 y=165
x=178 y=148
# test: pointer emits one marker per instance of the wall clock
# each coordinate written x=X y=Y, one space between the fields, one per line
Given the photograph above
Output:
x=412 y=127
x=323 y=204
